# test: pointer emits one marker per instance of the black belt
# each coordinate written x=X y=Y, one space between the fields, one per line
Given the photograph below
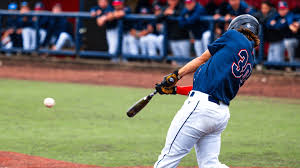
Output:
x=210 y=98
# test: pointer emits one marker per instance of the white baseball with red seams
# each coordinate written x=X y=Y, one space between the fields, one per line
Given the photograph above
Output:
x=49 y=102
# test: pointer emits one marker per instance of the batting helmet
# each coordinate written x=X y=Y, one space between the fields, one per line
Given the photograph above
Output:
x=245 y=21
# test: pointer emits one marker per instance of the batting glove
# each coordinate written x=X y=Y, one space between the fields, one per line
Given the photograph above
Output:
x=165 y=90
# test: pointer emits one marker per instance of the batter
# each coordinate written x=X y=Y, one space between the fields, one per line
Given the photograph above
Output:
x=220 y=72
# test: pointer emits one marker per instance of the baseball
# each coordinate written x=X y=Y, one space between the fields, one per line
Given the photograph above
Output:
x=49 y=102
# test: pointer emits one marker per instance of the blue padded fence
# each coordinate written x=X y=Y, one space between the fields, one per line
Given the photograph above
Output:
x=100 y=54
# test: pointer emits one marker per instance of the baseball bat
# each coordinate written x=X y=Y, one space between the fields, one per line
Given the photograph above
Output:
x=139 y=105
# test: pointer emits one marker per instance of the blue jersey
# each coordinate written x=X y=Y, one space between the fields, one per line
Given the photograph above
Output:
x=281 y=27
x=95 y=8
x=12 y=22
x=127 y=24
x=57 y=25
x=109 y=25
x=43 y=22
x=104 y=11
x=228 y=68
x=281 y=22
x=25 y=21
x=243 y=9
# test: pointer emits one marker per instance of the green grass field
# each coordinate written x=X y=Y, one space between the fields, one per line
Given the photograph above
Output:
x=88 y=125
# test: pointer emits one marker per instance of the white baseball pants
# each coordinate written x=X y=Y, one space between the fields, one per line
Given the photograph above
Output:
x=180 y=48
x=112 y=37
x=151 y=43
x=276 y=52
x=7 y=43
x=130 y=44
x=43 y=34
x=29 y=38
x=291 y=44
x=200 y=46
x=63 y=40
x=199 y=123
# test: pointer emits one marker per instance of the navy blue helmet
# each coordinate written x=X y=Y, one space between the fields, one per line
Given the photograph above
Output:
x=245 y=21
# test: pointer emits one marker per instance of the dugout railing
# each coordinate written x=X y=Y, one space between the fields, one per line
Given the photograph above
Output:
x=101 y=54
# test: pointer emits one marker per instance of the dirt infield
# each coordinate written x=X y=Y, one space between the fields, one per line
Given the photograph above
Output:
x=17 y=160
x=257 y=85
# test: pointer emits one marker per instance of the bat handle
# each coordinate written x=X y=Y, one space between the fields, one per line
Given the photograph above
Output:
x=152 y=94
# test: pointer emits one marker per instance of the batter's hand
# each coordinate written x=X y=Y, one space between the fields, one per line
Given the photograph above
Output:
x=170 y=80
x=165 y=90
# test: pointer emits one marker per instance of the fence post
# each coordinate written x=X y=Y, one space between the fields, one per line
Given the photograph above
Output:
x=0 y=29
x=77 y=37
x=37 y=33
x=165 y=40
x=261 y=45
x=81 y=5
x=212 y=30
x=120 y=38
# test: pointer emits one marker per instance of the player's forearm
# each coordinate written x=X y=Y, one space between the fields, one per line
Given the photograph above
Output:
x=193 y=65
x=110 y=16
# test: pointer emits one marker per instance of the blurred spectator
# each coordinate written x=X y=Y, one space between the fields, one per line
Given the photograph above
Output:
x=43 y=22
x=120 y=10
x=178 y=37
x=143 y=31
x=60 y=30
x=101 y=13
x=96 y=10
x=221 y=10
x=142 y=4
x=266 y=12
x=11 y=37
x=161 y=3
x=135 y=33
x=290 y=41
x=236 y=8
x=284 y=25
x=211 y=7
x=154 y=41
x=189 y=19
x=27 y=27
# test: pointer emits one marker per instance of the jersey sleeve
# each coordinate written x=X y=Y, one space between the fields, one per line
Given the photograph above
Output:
x=218 y=44
x=290 y=18
x=93 y=9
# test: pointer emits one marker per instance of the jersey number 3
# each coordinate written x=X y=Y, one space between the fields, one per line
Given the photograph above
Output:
x=242 y=70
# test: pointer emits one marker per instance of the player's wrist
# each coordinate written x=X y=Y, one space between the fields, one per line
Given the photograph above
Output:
x=177 y=74
x=174 y=90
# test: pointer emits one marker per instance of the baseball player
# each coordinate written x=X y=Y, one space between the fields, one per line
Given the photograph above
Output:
x=189 y=18
x=60 y=30
x=101 y=12
x=142 y=30
x=236 y=8
x=219 y=73
x=154 y=41
x=178 y=37
x=119 y=11
x=27 y=25
x=290 y=40
x=10 y=36
x=43 y=22
x=283 y=25
x=97 y=10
